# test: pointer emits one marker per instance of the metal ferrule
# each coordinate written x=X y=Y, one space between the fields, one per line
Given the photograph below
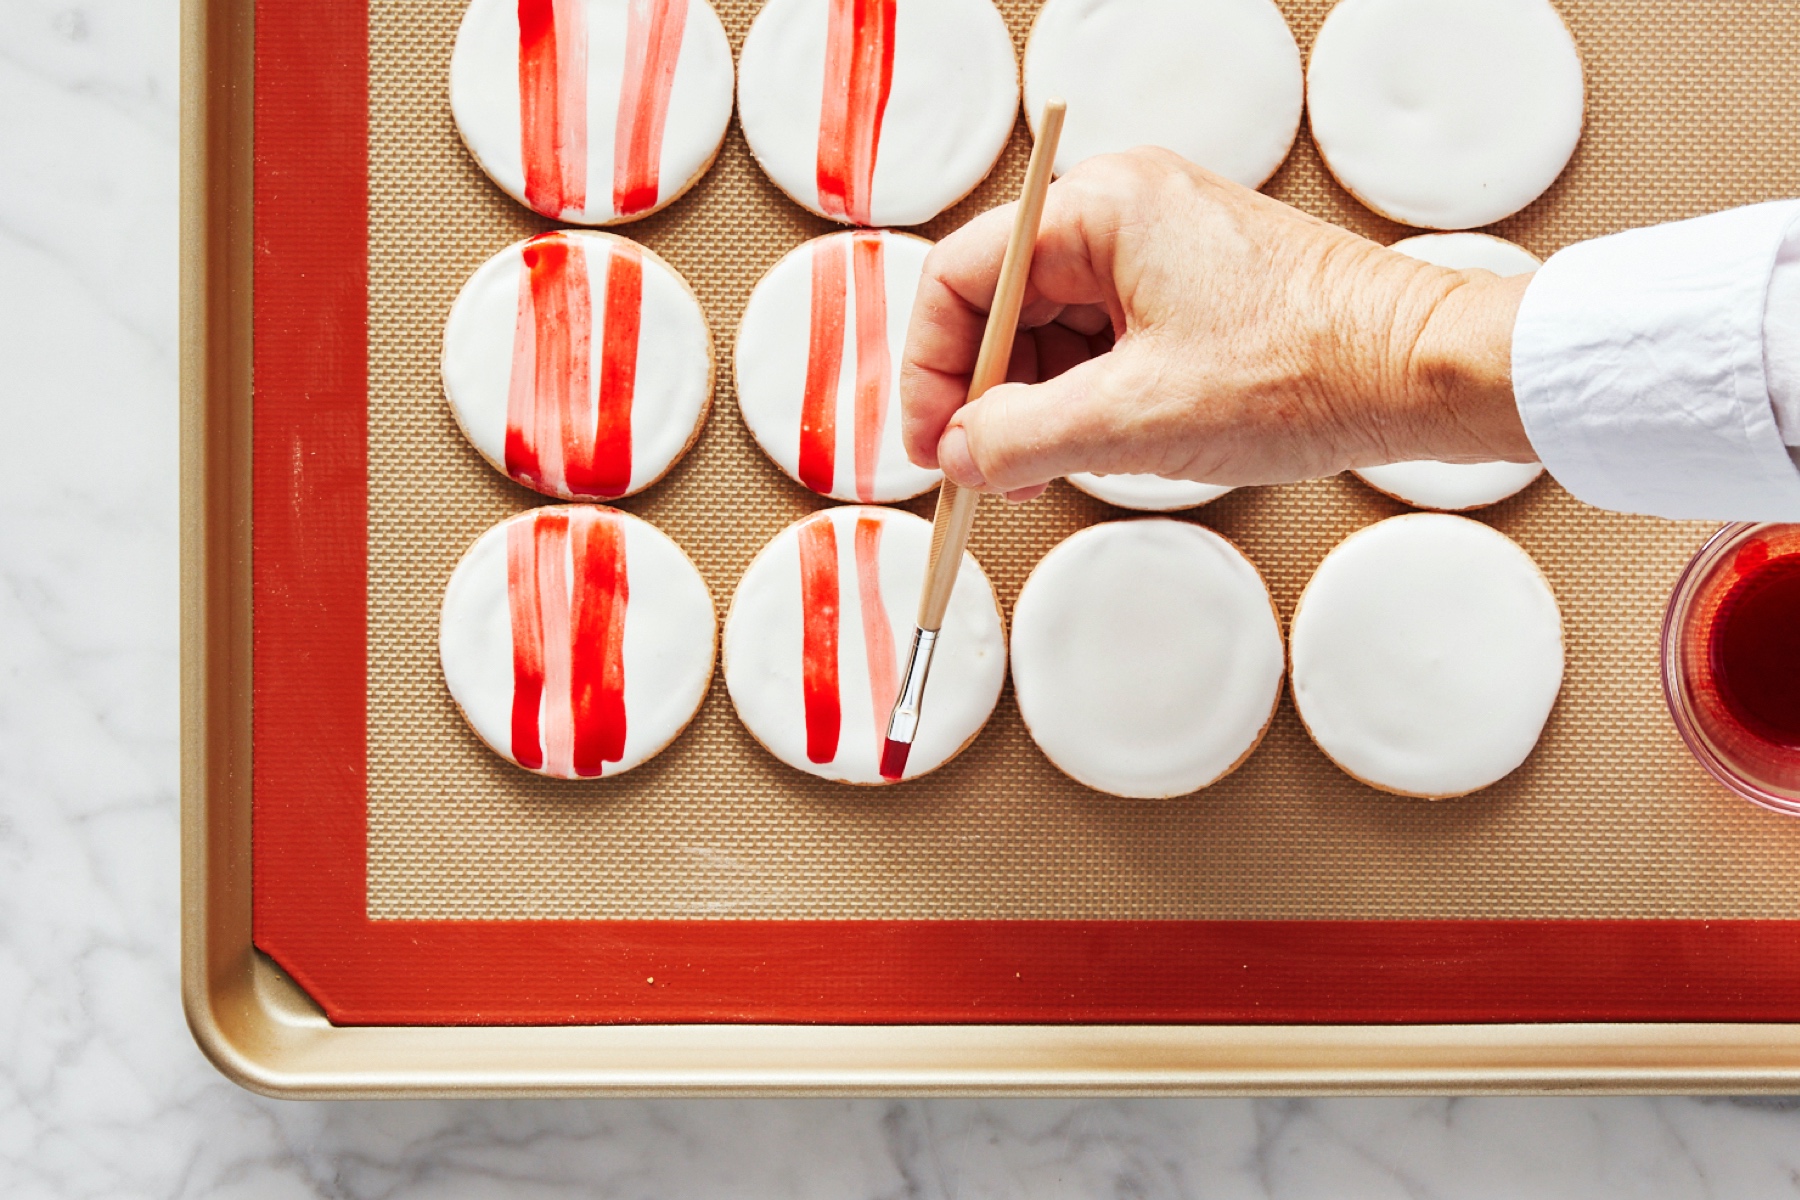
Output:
x=904 y=722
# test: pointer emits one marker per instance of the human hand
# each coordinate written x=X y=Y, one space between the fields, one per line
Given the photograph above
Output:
x=1178 y=324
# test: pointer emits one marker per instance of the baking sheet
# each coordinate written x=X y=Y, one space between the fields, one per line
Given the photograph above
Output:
x=1691 y=107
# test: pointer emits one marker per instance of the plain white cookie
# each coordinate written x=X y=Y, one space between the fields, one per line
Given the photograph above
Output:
x=1216 y=81
x=1146 y=657
x=906 y=152
x=1445 y=115
x=839 y=344
x=1426 y=654
x=672 y=122
x=1458 y=487
x=496 y=338
x=577 y=640
x=1147 y=493
x=818 y=634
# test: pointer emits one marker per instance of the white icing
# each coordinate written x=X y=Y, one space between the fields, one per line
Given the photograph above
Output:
x=674 y=384
x=1457 y=487
x=1216 y=81
x=951 y=107
x=771 y=360
x=484 y=100
x=1450 y=487
x=1146 y=656
x=670 y=636
x=764 y=647
x=1470 y=252
x=1445 y=115
x=1427 y=652
x=1147 y=493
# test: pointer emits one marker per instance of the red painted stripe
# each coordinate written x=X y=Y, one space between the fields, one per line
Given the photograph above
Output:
x=548 y=443
x=524 y=612
x=553 y=104
x=521 y=455
x=552 y=530
x=873 y=365
x=552 y=348
x=597 y=676
x=652 y=48
x=878 y=631
x=859 y=74
x=600 y=466
x=819 y=637
x=824 y=363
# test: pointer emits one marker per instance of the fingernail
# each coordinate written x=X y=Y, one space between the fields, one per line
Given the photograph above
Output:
x=955 y=460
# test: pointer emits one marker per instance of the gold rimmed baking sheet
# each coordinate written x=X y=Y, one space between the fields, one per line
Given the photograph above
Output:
x=1691 y=107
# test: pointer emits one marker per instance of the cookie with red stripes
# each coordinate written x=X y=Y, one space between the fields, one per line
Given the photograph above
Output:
x=818 y=364
x=579 y=363
x=592 y=111
x=577 y=640
x=817 y=636
x=877 y=112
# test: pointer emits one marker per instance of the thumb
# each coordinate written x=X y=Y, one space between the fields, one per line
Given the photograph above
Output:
x=1019 y=435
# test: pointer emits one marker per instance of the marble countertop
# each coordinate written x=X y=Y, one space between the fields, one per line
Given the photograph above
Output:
x=102 y=1093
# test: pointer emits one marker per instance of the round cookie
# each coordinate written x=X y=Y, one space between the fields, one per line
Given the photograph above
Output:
x=1450 y=487
x=1147 y=493
x=1441 y=115
x=1470 y=252
x=577 y=640
x=1216 y=81
x=818 y=634
x=1426 y=654
x=592 y=111
x=1458 y=487
x=877 y=114
x=1146 y=657
x=818 y=364
x=579 y=364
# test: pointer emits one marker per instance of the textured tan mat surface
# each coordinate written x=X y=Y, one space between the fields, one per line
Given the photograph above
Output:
x=1692 y=106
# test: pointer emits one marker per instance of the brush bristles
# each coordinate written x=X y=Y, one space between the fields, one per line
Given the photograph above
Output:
x=893 y=759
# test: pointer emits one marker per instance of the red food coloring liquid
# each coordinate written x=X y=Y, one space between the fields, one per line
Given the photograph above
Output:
x=1754 y=646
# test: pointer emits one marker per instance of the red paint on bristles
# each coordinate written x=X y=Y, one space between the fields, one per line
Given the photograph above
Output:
x=893 y=759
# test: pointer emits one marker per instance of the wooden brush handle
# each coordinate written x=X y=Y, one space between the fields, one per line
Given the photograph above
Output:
x=956 y=505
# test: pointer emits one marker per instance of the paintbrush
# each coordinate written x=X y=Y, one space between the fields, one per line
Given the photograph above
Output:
x=956 y=505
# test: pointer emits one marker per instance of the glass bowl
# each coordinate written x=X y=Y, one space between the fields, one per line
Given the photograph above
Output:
x=1757 y=769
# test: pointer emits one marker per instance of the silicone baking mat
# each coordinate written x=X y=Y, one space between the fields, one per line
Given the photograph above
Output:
x=404 y=873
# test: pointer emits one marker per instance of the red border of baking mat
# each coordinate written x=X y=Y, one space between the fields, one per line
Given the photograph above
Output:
x=310 y=843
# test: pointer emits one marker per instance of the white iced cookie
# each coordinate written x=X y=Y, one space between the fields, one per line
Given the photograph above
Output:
x=592 y=111
x=577 y=640
x=1450 y=487
x=818 y=364
x=1445 y=115
x=1458 y=487
x=1147 y=493
x=1426 y=654
x=817 y=636
x=578 y=363
x=1146 y=657
x=877 y=112
x=1216 y=81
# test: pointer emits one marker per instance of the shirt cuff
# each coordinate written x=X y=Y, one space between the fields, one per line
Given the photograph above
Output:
x=1638 y=369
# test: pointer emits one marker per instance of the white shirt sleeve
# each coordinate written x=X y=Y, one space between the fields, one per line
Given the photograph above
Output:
x=1640 y=372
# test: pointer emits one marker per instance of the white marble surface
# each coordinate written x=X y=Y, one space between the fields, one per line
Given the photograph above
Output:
x=102 y=1093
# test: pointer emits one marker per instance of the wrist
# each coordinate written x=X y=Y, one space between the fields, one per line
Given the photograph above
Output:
x=1456 y=375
